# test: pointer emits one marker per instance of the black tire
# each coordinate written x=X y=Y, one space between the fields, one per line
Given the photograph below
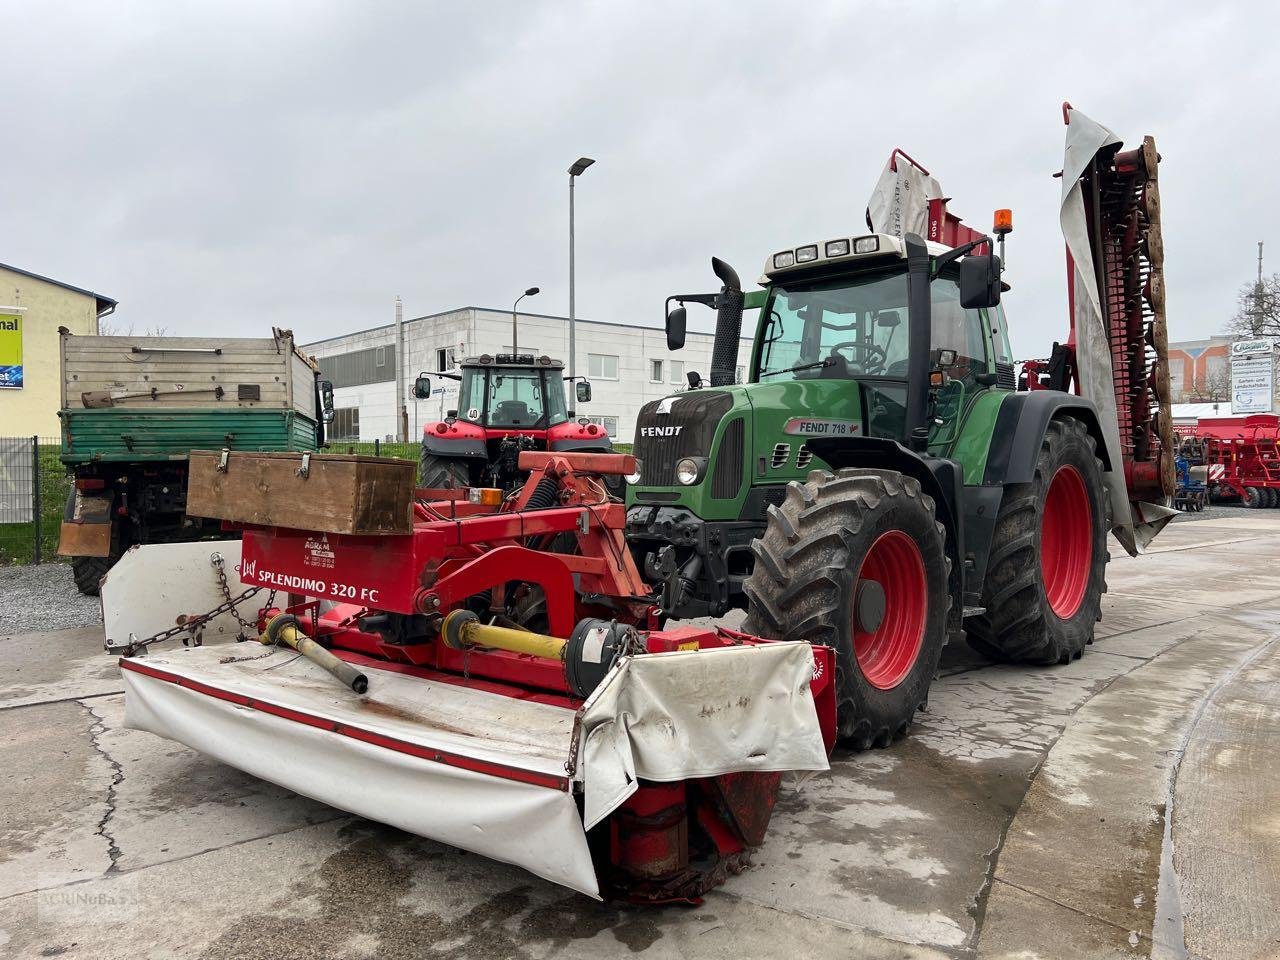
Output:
x=1252 y=498
x=1273 y=496
x=448 y=472
x=89 y=571
x=806 y=573
x=1020 y=625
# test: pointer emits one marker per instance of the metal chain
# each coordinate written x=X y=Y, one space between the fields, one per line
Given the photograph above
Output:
x=220 y=568
x=191 y=625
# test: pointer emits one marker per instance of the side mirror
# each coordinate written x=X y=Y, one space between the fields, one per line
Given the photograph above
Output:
x=326 y=400
x=695 y=379
x=422 y=387
x=979 y=282
x=676 y=321
x=582 y=390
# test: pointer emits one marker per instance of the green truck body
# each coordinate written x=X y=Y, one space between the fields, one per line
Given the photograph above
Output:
x=133 y=409
x=143 y=436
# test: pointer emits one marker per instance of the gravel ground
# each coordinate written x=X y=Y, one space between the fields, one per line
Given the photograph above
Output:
x=43 y=597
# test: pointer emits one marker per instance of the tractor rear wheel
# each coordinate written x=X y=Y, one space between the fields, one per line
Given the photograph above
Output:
x=88 y=571
x=1047 y=569
x=437 y=471
x=857 y=561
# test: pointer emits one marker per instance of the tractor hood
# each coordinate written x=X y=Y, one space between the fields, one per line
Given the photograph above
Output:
x=748 y=435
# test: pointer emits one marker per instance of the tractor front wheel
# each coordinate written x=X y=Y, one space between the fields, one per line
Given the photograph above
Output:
x=446 y=472
x=1047 y=569
x=857 y=561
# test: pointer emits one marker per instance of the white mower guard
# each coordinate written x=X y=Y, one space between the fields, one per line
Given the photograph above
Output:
x=477 y=770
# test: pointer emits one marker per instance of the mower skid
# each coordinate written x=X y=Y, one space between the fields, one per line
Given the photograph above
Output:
x=494 y=774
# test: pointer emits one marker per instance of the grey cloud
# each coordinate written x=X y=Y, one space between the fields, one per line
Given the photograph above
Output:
x=231 y=166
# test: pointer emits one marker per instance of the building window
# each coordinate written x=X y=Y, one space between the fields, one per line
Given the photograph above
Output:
x=677 y=371
x=655 y=371
x=442 y=361
x=739 y=374
x=610 y=424
x=602 y=366
x=380 y=356
x=346 y=424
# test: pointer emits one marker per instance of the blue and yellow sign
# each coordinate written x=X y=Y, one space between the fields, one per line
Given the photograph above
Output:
x=10 y=351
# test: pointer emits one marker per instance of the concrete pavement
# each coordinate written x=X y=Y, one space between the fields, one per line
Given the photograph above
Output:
x=1027 y=815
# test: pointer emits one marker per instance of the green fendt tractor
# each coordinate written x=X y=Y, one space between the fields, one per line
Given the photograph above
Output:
x=878 y=484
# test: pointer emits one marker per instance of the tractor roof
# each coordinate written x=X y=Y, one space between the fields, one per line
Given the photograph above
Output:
x=869 y=248
x=514 y=361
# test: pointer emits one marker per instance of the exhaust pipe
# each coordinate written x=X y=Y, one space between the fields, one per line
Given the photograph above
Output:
x=724 y=352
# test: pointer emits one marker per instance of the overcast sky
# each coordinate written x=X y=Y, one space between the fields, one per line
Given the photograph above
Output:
x=228 y=166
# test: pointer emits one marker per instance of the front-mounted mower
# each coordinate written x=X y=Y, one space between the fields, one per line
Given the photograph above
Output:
x=507 y=404
x=878 y=485
x=485 y=670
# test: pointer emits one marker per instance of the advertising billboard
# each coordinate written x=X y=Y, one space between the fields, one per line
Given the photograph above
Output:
x=10 y=350
x=1252 y=376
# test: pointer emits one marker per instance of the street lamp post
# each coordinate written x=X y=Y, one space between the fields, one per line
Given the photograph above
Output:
x=515 y=336
x=575 y=171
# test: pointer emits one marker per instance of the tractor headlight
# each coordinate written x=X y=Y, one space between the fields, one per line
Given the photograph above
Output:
x=784 y=259
x=866 y=245
x=689 y=470
x=837 y=248
x=634 y=478
x=807 y=254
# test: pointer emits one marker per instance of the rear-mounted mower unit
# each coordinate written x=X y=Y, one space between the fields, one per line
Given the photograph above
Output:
x=500 y=686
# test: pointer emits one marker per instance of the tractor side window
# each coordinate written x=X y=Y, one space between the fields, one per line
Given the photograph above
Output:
x=958 y=329
x=553 y=387
x=471 y=396
x=1000 y=335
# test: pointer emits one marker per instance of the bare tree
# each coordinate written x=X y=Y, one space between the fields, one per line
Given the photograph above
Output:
x=1258 y=309
x=1211 y=387
x=113 y=328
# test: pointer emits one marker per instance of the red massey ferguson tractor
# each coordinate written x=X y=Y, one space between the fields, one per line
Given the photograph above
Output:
x=506 y=404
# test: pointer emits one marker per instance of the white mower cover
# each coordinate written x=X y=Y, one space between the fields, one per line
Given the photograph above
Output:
x=473 y=769
x=899 y=201
x=1134 y=524
x=149 y=587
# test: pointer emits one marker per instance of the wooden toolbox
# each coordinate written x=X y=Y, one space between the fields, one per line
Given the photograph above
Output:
x=303 y=491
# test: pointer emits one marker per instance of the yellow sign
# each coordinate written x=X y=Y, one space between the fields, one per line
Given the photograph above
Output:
x=10 y=351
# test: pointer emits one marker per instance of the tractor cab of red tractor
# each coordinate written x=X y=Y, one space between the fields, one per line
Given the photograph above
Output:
x=506 y=404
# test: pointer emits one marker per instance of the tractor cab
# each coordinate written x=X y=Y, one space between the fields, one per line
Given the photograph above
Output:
x=506 y=404
x=839 y=321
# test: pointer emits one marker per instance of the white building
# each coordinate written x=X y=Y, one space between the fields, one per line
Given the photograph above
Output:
x=628 y=366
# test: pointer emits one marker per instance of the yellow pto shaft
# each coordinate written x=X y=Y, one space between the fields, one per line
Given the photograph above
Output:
x=283 y=628
x=461 y=630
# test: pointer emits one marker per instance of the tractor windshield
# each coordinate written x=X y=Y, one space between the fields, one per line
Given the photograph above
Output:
x=836 y=329
x=502 y=398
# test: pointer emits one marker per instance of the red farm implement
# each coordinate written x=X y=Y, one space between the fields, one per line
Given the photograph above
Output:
x=1241 y=457
x=504 y=687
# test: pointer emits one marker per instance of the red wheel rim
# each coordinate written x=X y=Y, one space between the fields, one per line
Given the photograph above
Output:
x=1066 y=542
x=886 y=655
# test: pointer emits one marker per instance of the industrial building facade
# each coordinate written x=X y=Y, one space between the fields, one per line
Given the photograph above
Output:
x=628 y=366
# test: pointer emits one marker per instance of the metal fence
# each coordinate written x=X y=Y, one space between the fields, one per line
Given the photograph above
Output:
x=33 y=495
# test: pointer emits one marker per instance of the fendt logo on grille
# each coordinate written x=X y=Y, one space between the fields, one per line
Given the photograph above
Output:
x=661 y=431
